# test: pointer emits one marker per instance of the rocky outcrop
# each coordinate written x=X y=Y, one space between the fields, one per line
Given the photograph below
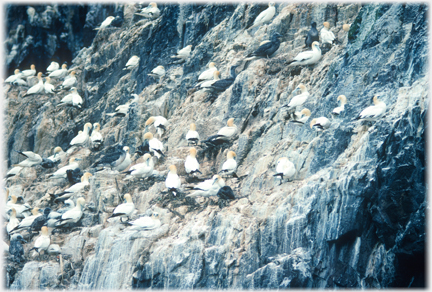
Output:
x=354 y=213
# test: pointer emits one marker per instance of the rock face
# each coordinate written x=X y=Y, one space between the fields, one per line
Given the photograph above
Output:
x=352 y=216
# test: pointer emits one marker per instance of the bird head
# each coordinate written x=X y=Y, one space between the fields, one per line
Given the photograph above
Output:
x=316 y=45
x=64 y=66
x=173 y=169
x=300 y=88
x=148 y=136
x=314 y=24
x=277 y=35
x=155 y=215
x=212 y=65
x=150 y=121
x=33 y=67
x=342 y=99
x=126 y=148
x=312 y=123
x=16 y=71
x=193 y=152
x=86 y=176
x=39 y=75
x=153 y=4
x=230 y=122
x=80 y=202
x=271 y=4
x=306 y=112
x=44 y=230
x=231 y=154
x=326 y=25
x=346 y=27
x=128 y=198
x=193 y=127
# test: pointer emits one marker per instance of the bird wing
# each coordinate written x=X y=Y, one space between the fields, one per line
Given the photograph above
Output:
x=371 y=112
x=304 y=56
x=208 y=74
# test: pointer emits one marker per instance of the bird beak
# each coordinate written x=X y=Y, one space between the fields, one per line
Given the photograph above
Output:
x=214 y=181
x=295 y=91
x=23 y=240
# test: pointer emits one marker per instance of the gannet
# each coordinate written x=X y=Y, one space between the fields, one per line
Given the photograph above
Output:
x=16 y=249
x=151 y=11
x=224 y=134
x=29 y=72
x=52 y=67
x=22 y=210
x=326 y=36
x=208 y=187
x=265 y=16
x=184 y=53
x=20 y=82
x=155 y=145
x=192 y=135
x=208 y=74
x=38 y=88
x=132 y=63
x=209 y=83
x=146 y=222
x=374 y=112
x=122 y=110
x=157 y=72
x=300 y=99
x=61 y=173
x=48 y=87
x=266 y=48
x=74 y=175
x=70 y=81
x=141 y=170
x=308 y=57
x=346 y=27
x=301 y=117
x=55 y=215
x=59 y=154
x=312 y=35
x=343 y=100
x=96 y=137
x=173 y=181
x=113 y=159
x=320 y=123
x=226 y=193
x=158 y=122
x=73 y=215
x=82 y=139
x=126 y=161
x=105 y=23
x=284 y=168
x=223 y=84
x=12 y=78
x=73 y=98
x=124 y=210
x=76 y=188
x=13 y=221
x=59 y=73
x=191 y=163
x=230 y=165
x=43 y=241
x=13 y=171
x=40 y=221
x=32 y=159
x=27 y=221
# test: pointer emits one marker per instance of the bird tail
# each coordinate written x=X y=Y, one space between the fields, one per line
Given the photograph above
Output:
x=290 y=62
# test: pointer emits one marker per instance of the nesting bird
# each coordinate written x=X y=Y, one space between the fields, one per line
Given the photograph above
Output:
x=38 y=88
x=58 y=155
x=123 y=109
x=209 y=83
x=183 y=54
x=73 y=215
x=82 y=138
x=265 y=16
x=158 y=122
x=151 y=11
x=125 y=209
x=284 y=168
x=48 y=87
x=154 y=145
x=74 y=189
x=208 y=74
x=338 y=110
x=69 y=81
x=320 y=124
x=223 y=84
x=132 y=63
x=29 y=72
x=52 y=67
x=173 y=181
x=43 y=241
x=141 y=170
x=230 y=165
x=32 y=159
x=146 y=222
x=374 y=112
x=73 y=98
x=312 y=35
x=223 y=135
x=157 y=72
x=105 y=23
x=192 y=135
x=301 y=117
x=299 y=99
x=59 y=73
x=308 y=57
x=96 y=137
x=12 y=78
x=61 y=173
x=326 y=36
x=191 y=163
x=208 y=187
x=13 y=220
x=266 y=48
x=346 y=27
x=27 y=221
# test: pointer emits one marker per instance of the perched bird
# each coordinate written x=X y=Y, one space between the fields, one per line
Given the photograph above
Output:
x=55 y=215
x=96 y=137
x=154 y=144
x=223 y=135
x=223 y=84
x=326 y=36
x=183 y=54
x=20 y=82
x=209 y=187
x=173 y=181
x=265 y=16
x=299 y=99
x=74 y=175
x=284 y=168
x=48 y=87
x=374 y=112
x=40 y=221
x=73 y=98
x=123 y=109
x=76 y=188
x=58 y=155
x=266 y=48
x=105 y=23
x=157 y=72
x=308 y=57
x=301 y=117
x=61 y=172
x=59 y=73
x=338 y=110
x=191 y=163
x=146 y=222
x=141 y=170
x=158 y=122
x=43 y=241
x=192 y=135
x=126 y=161
x=114 y=159
x=32 y=159
x=151 y=11
x=22 y=209
x=38 y=88
x=27 y=221
x=312 y=35
x=229 y=166
x=16 y=250
x=13 y=171
x=13 y=220
x=346 y=27
x=70 y=81
x=125 y=209
x=132 y=63
x=82 y=139
x=208 y=74
x=52 y=67
x=29 y=72
x=12 y=78
x=320 y=123
x=209 y=83
x=73 y=215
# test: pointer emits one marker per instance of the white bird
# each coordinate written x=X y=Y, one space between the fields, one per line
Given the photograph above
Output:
x=192 y=135
x=48 y=87
x=27 y=221
x=96 y=137
x=13 y=221
x=132 y=63
x=126 y=161
x=73 y=215
x=191 y=163
x=155 y=145
x=69 y=81
x=146 y=222
x=158 y=122
x=346 y=27
x=82 y=138
x=301 y=117
x=173 y=181
x=105 y=23
x=59 y=73
x=285 y=168
x=300 y=99
x=43 y=241
x=61 y=172
x=208 y=188
x=55 y=215
x=157 y=72
x=326 y=36
x=223 y=134
x=265 y=16
x=20 y=82
x=29 y=72
x=141 y=170
x=38 y=88
x=32 y=159
x=209 y=83
x=151 y=11
x=74 y=189
x=58 y=155
x=12 y=78
x=308 y=57
x=22 y=210
x=374 y=112
x=184 y=53
x=52 y=67
x=338 y=110
x=320 y=123
x=73 y=98
x=125 y=209
x=230 y=165
x=13 y=171
x=208 y=74
x=123 y=109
